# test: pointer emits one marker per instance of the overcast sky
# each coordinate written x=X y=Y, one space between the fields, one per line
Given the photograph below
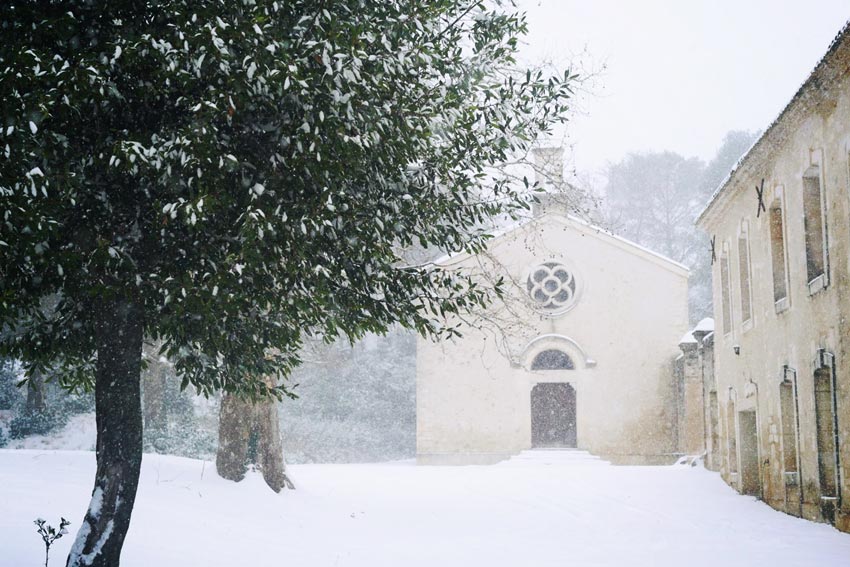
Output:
x=680 y=74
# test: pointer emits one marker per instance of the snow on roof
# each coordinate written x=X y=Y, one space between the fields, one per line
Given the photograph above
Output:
x=833 y=46
x=576 y=220
x=510 y=227
x=688 y=339
x=626 y=241
x=705 y=326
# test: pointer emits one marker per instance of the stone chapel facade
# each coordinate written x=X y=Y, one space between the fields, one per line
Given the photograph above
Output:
x=778 y=396
x=579 y=355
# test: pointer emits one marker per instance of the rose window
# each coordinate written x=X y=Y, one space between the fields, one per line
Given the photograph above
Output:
x=552 y=287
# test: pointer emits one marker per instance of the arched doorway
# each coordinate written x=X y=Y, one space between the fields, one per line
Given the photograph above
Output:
x=553 y=415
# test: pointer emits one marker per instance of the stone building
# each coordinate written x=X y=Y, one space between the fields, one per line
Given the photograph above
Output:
x=697 y=395
x=579 y=355
x=780 y=232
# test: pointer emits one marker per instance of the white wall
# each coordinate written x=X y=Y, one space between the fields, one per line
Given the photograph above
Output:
x=473 y=393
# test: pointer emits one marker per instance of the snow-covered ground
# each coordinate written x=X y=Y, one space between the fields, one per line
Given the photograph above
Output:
x=540 y=509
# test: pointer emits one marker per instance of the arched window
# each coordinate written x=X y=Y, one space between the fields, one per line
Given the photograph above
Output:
x=552 y=360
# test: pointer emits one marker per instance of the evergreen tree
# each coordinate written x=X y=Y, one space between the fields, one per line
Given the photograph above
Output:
x=654 y=198
x=734 y=145
x=228 y=176
x=356 y=403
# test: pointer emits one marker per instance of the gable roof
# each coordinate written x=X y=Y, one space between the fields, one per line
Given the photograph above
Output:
x=824 y=73
x=586 y=228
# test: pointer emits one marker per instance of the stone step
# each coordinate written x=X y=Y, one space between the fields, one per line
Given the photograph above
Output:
x=566 y=457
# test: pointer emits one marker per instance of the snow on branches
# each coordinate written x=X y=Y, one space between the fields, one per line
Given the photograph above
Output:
x=248 y=171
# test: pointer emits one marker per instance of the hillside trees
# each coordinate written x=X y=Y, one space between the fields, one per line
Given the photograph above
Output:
x=653 y=199
x=734 y=145
x=356 y=403
x=228 y=177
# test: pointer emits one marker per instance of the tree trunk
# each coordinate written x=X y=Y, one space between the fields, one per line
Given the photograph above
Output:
x=154 y=392
x=239 y=419
x=234 y=429
x=270 y=447
x=35 y=394
x=119 y=435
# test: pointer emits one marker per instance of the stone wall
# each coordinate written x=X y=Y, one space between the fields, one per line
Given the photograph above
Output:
x=781 y=350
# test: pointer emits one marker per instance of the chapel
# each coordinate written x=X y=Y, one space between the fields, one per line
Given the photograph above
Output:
x=580 y=354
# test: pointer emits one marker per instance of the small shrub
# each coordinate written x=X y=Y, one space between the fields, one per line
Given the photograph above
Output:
x=34 y=423
x=4 y=440
x=10 y=395
x=73 y=403
x=182 y=431
x=49 y=534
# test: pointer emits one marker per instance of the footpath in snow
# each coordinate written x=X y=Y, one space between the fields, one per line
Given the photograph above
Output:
x=543 y=508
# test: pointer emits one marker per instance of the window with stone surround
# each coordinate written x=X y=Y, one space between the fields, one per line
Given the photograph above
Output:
x=726 y=300
x=731 y=434
x=815 y=229
x=744 y=272
x=826 y=424
x=777 y=253
x=788 y=421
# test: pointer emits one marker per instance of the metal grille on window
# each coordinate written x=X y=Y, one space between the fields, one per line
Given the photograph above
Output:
x=552 y=287
x=552 y=359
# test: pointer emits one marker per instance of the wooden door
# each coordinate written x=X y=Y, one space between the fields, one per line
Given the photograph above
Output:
x=553 y=415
